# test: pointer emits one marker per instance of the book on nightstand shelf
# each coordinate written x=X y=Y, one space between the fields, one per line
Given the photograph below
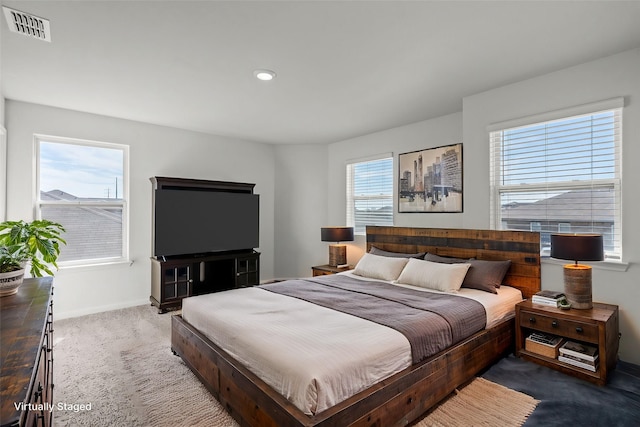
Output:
x=580 y=352
x=547 y=297
x=580 y=355
x=580 y=363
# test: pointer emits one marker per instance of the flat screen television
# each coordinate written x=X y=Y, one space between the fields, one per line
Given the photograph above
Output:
x=188 y=222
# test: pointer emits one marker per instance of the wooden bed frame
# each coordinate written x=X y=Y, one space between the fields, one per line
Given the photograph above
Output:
x=405 y=396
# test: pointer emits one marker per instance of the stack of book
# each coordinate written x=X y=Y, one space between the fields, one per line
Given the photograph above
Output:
x=580 y=355
x=547 y=297
x=543 y=344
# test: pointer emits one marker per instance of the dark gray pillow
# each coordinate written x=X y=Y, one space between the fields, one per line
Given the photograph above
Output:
x=445 y=259
x=380 y=252
x=486 y=275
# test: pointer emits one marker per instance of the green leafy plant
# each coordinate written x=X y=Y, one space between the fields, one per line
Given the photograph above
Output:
x=12 y=258
x=37 y=242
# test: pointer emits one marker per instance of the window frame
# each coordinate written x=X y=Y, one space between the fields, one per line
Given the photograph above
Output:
x=616 y=106
x=123 y=203
x=351 y=198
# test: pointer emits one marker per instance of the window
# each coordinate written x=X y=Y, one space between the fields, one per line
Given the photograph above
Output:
x=370 y=193
x=83 y=186
x=560 y=175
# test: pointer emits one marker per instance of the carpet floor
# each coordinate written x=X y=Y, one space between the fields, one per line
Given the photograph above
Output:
x=568 y=401
x=119 y=362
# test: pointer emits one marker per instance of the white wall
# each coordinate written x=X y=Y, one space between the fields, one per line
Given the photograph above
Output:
x=310 y=183
x=611 y=77
x=444 y=130
x=301 y=209
x=154 y=151
x=310 y=190
x=3 y=149
x=1 y=96
x=3 y=171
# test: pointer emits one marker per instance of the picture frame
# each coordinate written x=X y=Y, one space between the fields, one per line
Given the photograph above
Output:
x=430 y=180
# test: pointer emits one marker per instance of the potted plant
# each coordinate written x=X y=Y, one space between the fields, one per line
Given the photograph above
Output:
x=36 y=243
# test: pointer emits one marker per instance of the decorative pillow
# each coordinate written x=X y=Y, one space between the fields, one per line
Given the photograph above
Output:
x=434 y=275
x=486 y=275
x=380 y=267
x=380 y=252
x=444 y=259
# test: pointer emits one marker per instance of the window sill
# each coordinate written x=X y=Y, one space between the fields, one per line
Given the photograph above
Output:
x=600 y=265
x=95 y=264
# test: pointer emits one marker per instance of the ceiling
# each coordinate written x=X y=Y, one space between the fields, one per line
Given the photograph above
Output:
x=344 y=68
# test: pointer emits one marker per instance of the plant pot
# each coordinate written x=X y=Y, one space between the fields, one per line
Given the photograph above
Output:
x=10 y=282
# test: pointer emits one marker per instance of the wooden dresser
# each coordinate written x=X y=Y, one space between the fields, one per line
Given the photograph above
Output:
x=26 y=355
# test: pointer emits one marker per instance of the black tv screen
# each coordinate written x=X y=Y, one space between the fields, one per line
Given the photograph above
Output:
x=199 y=222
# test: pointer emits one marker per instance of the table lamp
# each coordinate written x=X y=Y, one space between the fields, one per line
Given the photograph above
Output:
x=577 y=277
x=337 y=252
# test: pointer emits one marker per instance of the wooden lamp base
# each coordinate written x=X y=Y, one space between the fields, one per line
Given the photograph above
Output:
x=337 y=255
x=577 y=285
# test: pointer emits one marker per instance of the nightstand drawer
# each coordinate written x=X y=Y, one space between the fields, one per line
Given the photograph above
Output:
x=323 y=270
x=559 y=326
x=322 y=273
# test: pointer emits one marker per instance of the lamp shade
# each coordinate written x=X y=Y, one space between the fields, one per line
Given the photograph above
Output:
x=336 y=234
x=577 y=247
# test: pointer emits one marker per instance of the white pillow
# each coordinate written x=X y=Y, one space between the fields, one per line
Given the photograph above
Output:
x=434 y=275
x=380 y=267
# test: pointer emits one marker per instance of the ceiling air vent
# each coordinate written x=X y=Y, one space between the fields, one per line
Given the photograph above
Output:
x=29 y=25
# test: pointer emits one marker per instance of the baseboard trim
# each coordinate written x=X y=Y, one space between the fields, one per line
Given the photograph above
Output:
x=59 y=315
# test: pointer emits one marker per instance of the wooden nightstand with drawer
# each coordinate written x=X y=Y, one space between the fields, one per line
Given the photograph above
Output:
x=322 y=270
x=596 y=327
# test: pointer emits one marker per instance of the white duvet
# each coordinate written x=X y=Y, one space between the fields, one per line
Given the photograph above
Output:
x=314 y=356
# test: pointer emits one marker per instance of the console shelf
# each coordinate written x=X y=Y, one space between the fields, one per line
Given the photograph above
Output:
x=177 y=278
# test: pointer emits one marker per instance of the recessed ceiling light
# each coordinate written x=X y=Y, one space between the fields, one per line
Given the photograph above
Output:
x=264 y=75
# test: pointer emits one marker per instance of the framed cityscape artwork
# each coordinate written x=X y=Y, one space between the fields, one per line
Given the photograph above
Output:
x=431 y=180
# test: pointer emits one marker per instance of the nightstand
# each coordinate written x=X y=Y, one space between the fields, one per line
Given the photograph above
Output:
x=597 y=327
x=322 y=270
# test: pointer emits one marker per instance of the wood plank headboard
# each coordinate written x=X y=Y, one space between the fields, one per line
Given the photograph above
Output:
x=521 y=247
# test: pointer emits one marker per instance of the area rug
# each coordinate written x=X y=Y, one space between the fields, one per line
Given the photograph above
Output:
x=116 y=369
x=481 y=403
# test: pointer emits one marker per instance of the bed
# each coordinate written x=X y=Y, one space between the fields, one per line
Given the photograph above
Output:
x=413 y=386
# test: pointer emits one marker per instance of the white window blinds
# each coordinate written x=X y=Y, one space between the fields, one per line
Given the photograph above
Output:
x=562 y=176
x=370 y=193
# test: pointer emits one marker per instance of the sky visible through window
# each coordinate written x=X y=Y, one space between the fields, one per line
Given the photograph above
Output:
x=81 y=170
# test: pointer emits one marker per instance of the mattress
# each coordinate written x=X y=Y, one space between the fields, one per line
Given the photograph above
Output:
x=314 y=356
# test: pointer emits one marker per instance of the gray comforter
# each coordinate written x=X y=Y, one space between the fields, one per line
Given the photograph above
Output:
x=430 y=321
